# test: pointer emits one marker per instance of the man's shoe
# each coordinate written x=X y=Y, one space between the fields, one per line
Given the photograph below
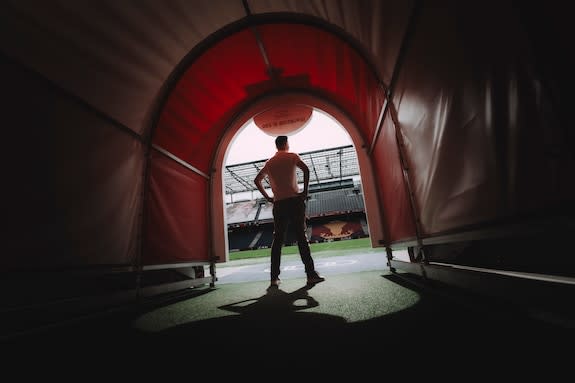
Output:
x=275 y=282
x=315 y=278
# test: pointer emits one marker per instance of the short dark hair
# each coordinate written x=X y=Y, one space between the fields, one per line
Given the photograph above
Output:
x=281 y=141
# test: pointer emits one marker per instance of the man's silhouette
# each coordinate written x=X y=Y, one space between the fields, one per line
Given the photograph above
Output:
x=289 y=206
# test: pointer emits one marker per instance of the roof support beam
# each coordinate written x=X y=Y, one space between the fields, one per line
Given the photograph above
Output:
x=314 y=169
x=265 y=178
x=272 y=72
x=241 y=180
x=180 y=161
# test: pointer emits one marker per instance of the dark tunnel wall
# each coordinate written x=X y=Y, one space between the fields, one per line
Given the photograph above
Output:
x=72 y=180
x=477 y=122
x=481 y=110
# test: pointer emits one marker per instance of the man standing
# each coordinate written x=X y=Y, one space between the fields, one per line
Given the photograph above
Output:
x=289 y=206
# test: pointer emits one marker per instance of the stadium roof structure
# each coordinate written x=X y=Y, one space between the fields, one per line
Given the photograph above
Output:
x=324 y=165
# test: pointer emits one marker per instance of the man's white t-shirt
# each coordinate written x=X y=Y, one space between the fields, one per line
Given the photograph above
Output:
x=281 y=171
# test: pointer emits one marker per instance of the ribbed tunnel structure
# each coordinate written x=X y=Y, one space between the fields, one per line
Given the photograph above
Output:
x=117 y=117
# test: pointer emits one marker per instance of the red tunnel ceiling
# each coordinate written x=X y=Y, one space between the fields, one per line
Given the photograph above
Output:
x=233 y=71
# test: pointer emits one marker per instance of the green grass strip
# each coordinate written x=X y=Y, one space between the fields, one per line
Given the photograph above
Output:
x=360 y=243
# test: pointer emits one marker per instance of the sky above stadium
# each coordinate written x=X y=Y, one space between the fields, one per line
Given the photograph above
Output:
x=321 y=132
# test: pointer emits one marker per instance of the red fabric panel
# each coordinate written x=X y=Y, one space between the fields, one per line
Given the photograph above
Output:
x=232 y=72
x=392 y=189
x=210 y=88
x=177 y=208
x=331 y=65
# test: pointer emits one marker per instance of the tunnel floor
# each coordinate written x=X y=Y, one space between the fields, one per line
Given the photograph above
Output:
x=353 y=317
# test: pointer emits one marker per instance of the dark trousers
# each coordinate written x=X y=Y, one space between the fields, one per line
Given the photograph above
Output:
x=291 y=210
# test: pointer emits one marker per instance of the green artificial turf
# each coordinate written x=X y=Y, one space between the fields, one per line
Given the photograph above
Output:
x=350 y=244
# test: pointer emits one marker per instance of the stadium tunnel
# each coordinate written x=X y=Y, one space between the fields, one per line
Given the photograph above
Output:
x=117 y=118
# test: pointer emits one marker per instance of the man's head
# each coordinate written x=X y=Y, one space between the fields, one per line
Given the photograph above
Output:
x=282 y=142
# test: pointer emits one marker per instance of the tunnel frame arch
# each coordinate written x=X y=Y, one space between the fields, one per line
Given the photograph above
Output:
x=374 y=210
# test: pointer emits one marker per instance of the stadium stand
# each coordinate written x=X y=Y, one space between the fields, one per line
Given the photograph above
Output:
x=335 y=202
x=266 y=213
x=240 y=212
x=266 y=238
x=240 y=239
x=335 y=206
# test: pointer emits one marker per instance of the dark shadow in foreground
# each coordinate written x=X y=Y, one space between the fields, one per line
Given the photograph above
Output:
x=279 y=326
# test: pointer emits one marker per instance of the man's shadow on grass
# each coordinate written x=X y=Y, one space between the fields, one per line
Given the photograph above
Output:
x=276 y=302
x=279 y=314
